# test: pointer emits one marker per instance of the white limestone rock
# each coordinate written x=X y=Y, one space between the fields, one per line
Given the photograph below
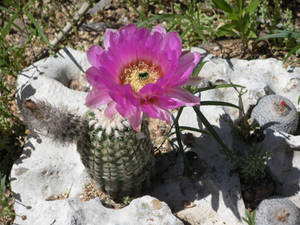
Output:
x=145 y=210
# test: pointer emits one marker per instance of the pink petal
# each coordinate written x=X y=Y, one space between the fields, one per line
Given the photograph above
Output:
x=97 y=98
x=127 y=104
x=172 y=44
x=187 y=64
x=111 y=38
x=93 y=55
x=110 y=110
x=159 y=29
x=154 y=111
x=108 y=62
x=183 y=97
x=93 y=76
x=166 y=102
x=135 y=120
x=127 y=32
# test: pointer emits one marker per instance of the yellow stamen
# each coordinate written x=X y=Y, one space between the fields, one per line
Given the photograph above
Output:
x=140 y=73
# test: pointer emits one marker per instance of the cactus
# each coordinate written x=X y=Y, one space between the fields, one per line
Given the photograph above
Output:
x=277 y=211
x=277 y=113
x=119 y=159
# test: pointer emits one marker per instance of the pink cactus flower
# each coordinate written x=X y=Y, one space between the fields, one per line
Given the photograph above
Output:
x=140 y=71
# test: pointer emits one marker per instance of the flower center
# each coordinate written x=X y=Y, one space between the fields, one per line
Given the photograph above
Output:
x=140 y=73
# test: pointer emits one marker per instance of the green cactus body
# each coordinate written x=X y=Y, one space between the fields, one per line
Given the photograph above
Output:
x=119 y=159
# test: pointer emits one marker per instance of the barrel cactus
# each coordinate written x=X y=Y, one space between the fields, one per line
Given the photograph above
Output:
x=277 y=211
x=119 y=159
x=276 y=112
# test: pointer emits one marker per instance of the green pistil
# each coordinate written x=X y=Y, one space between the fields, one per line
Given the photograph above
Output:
x=143 y=76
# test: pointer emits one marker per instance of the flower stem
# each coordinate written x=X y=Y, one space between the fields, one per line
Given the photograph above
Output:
x=226 y=151
x=178 y=137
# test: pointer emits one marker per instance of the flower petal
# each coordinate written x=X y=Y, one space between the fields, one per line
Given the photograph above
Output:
x=135 y=119
x=93 y=76
x=111 y=38
x=93 y=55
x=110 y=110
x=126 y=102
x=183 y=97
x=156 y=112
x=97 y=98
x=159 y=29
x=127 y=32
x=187 y=63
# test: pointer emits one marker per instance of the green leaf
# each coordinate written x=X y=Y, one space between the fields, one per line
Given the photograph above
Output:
x=212 y=131
x=221 y=4
x=298 y=100
x=240 y=4
x=226 y=29
x=202 y=103
x=252 y=6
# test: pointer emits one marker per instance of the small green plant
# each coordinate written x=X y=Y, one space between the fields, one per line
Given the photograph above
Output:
x=5 y=207
x=127 y=200
x=189 y=18
x=239 y=18
x=253 y=164
x=250 y=217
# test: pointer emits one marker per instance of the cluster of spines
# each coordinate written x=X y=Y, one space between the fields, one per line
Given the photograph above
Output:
x=57 y=123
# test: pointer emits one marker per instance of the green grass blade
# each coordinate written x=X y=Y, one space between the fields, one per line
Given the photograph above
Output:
x=291 y=52
x=219 y=103
x=166 y=17
x=6 y=9
x=281 y=34
x=37 y=26
x=198 y=68
x=7 y=28
x=219 y=86
x=193 y=129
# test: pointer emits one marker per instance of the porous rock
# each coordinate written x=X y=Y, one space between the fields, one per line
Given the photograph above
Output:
x=277 y=210
x=276 y=112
